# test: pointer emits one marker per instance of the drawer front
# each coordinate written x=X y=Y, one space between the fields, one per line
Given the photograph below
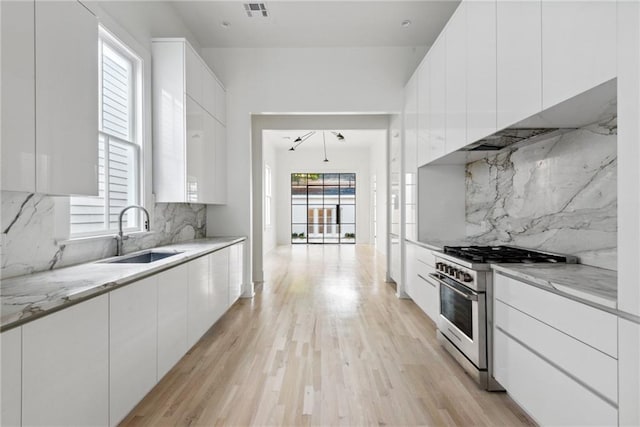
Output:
x=430 y=302
x=425 y=256
x=546 y=393
x=590 y=366
x=594 y=327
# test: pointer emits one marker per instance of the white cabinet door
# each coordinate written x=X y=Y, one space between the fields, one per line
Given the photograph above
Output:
x=219 y=294
x=220 y=103
x=198 y=299
x=629 y=372
x=66 y=57
x=547 y=394
x=410 y=268
x=236 y=255
x=436 y=114
x=456 y=80
x=481 y=69
x=411 y=146
x=519 y=56
x=133 y=345
x=577 y=47
x=194 y=72
x=172 y=317
x=209 y=91
x=18 y=96
x=220 y=170
x=196 y=147
x=422 y=115
x=210 y=172
x=11 y=377
x=65 y=366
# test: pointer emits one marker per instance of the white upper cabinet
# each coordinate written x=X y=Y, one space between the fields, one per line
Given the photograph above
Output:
x=422 y=123
x=436 y=111
x=50 y=95
x=456 y=80
x=519 y=56
x=481 y=69
x=189 y=133
x=220 y=111
x=411 y=147
x=18 y=96
x=578 y=47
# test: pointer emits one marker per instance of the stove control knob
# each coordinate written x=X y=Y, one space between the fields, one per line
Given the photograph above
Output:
x=453 y=271
x=439 y=266
x=460 y=274
x=467 y=278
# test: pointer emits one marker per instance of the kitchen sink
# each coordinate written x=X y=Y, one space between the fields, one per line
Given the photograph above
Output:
x=142 y=257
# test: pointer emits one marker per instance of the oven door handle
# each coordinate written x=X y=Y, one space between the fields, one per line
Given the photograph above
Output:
x=467 y=296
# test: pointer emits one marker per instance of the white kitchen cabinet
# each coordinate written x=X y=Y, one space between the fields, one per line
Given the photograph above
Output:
x=66 y=57
x=198 y=299
x=11 y=377
x=411 y=150
x=547 y=394
x=236 y=265
x=50 y=82
x=436 y=112
x=481 y=69
x=629 y=372
x=422 y=113
x=133 y=345
x=410 y=267
x=456 y=80
x=172 y=317
x=65 y=366
x=423 y=290
x=220 y=111
x=18 y=92
x=577 y=53
x=189 y=137
x=519 y=57
x=219 y=284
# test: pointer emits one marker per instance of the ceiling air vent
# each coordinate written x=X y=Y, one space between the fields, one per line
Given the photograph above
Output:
x=256 y=10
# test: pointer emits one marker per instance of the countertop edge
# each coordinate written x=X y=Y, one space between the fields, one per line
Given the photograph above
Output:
x=111 y=286
x=429 y=246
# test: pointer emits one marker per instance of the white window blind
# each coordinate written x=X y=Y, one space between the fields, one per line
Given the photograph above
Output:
x=118 y=145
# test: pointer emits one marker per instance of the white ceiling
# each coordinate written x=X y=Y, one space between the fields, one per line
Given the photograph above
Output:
x=283 y=139
x=327 y=23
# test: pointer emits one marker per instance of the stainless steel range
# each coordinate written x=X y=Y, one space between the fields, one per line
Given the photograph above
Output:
x=466 y=302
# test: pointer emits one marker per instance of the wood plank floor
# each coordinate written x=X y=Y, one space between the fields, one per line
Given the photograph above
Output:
x=324 y=342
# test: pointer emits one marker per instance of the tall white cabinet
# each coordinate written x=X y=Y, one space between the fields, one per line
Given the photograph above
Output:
x=49 y=98
x=189 y=144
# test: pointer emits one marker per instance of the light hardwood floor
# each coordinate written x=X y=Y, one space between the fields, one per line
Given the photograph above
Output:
x=325 y=342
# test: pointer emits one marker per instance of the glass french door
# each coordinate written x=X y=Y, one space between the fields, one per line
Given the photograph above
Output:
x=323 y=208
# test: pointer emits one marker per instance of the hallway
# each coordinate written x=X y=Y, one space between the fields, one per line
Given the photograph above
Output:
x=324 y=342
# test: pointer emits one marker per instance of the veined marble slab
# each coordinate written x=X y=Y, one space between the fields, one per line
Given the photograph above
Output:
x=597 y=286
x=26 y=298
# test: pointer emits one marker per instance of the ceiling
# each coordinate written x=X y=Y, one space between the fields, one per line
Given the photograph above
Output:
x=306 y=23
x=283 y=139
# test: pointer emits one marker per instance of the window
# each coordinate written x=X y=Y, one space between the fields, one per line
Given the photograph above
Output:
x=267 y=196
x=119 y=136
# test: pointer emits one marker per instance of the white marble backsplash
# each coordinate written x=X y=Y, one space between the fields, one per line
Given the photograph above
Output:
x=30 y=242
x=559 y=194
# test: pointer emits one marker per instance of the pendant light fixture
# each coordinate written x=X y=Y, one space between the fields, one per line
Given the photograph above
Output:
x=300 y=139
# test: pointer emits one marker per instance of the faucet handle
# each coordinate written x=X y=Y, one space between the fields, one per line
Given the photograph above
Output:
x=146 y=225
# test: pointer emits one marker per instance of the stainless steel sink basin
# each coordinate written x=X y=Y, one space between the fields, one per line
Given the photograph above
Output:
x=142 y=257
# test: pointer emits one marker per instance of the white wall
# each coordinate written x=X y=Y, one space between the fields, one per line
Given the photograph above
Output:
x=269 y=240
x=309 y=160
x=319 y=80
x=378 y=168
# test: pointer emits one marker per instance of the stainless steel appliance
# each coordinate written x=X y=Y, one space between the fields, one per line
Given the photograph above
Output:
x=466 y=302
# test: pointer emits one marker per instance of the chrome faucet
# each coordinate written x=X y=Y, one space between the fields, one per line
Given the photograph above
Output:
x=120 y=238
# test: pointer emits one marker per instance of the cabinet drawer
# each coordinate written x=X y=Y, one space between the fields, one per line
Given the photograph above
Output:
x=587 y=324
x=425 y=256
x=546 y=393
x=590 y=366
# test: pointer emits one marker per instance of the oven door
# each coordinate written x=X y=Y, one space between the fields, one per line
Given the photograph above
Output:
x=462 y=319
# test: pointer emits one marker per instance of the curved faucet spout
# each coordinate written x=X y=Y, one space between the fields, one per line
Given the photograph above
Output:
x=120 y=237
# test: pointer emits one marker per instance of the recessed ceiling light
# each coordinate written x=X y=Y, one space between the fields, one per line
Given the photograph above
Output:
x=406 y=23
x=225 y=24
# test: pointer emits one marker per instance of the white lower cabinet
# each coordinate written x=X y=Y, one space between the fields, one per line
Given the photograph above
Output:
x=219 y=285
x=235 y=272
x=629 y=372
x=198 y=299
x=172 y=317
x=133 y=345
x=422 y=289
x=65 y=367
x=11 y=377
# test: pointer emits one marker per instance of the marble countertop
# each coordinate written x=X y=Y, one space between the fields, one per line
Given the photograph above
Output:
x=592 y=285
x=439 y=244
x=26 y=298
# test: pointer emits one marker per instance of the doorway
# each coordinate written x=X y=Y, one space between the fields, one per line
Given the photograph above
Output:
x=323 y=208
